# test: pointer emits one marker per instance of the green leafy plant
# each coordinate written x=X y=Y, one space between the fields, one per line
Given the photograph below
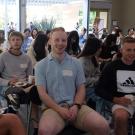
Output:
x=45 y=24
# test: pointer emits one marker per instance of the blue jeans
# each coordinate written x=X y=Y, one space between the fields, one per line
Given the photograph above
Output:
x=103 y=106
x=3 y=101
x=91 y=95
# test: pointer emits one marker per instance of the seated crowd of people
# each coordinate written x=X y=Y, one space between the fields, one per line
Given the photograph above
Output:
x=73 y=76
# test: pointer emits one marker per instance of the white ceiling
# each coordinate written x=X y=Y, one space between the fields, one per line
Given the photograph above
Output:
x=38 y=2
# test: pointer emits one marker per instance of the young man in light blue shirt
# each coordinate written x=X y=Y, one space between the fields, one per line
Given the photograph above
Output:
x=60 y=82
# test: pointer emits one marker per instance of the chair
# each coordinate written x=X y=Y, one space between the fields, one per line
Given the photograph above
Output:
x=34 y=98
x=131 y=130
x=70 y=130
x=29 y=118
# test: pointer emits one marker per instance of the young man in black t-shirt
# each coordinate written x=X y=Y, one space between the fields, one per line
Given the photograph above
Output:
x=117 y=84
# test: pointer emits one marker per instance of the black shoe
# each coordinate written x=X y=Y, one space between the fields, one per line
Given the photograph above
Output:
x=35 y=131
x=10 y=109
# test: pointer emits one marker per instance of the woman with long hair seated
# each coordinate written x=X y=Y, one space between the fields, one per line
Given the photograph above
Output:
x=89 y=59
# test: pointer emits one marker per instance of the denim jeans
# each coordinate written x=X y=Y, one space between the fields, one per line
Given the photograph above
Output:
x=103 y=106
x=3 y=101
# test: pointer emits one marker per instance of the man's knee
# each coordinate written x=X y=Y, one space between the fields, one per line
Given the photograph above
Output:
x=44 y=131
x=47 y=130
x=121 y=116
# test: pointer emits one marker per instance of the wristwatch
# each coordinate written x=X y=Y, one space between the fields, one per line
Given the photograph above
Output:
x=78 y=105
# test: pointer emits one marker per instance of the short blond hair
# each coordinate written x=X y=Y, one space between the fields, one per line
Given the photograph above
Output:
x=17 y=34
x=56 y=29
x=128 y=40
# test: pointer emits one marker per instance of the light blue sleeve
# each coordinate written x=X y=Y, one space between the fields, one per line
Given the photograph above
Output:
x=40 y=75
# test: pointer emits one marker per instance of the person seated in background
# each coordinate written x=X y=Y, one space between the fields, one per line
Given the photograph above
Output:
x=10 y=124
x=73 y=47
x=104 y=34
x=89 y=59
x=27 y=40
x=131 y=32
x=116 y=82
x=31 y=26
x=60 y=82
x=34 y=33
x=5 y=46
x=82 y=37
x=109 y=48
x=14 y=65
x=119 y=37
x=38 y=50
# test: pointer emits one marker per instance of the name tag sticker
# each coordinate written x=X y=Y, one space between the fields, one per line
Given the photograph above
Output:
x=67 y=73
x=23 y=65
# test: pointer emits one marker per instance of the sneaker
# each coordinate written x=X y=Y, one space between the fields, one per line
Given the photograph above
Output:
x=14 y=101
x=2 y=110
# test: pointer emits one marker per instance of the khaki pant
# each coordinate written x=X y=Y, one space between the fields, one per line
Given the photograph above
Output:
x=78 y=123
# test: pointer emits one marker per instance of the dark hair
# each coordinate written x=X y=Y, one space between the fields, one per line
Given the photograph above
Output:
x=91 y=46
x=110 y=40
x=91 y=35
x=32 y=32
x=39 y=46
x=73 y=47
x=131 y=29
x=25 y=30
x=118 y=31
x=48 y=31
x=84 y=29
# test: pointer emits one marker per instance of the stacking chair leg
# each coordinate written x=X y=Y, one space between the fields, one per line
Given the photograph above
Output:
x=29 y=118
x=132 y=132
x=132 y=127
